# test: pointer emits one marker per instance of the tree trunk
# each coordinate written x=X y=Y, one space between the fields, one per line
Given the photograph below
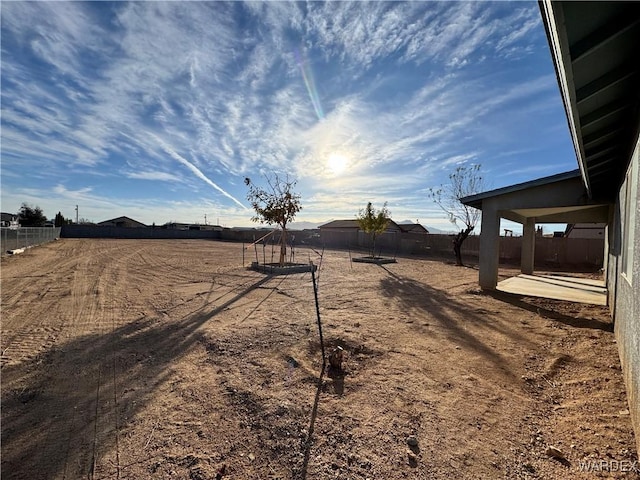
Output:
x=457 y=244
x=283 y=246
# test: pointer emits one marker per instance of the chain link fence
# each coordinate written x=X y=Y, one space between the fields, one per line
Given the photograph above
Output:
x=22 y=237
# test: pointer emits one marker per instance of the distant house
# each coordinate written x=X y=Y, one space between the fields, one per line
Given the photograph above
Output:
x=122 y=222
x=345 y=233
x=190 y=226
x=585 y=230
x=176 y=226
x=350 y=225
x=412 y=228
x=7 y=219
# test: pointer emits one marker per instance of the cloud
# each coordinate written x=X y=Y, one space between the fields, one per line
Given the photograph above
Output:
x=195 y=170
x=162 y=176
x=407 y=89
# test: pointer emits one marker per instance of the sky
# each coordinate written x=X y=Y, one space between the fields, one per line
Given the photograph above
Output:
x=159 y=110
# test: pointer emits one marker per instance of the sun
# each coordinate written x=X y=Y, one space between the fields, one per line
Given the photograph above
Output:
x=337 y=163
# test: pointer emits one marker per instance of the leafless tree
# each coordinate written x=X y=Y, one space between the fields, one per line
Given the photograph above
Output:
x=464 y=181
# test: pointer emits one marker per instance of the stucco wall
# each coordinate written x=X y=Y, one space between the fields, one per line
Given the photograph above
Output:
x=625 y=302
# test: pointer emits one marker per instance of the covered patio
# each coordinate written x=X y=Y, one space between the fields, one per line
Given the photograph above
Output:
x=556 y=199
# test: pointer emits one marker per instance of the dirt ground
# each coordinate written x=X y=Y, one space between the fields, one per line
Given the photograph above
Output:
x=129 y=359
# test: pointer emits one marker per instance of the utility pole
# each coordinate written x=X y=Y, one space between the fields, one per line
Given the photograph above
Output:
x=76 y=214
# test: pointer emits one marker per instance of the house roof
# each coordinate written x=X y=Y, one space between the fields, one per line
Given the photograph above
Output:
x=353 y=224
x=7 y=217
x=594 y=46
x=594 y=49
x=341 y=224
x=120 y=220
x=412 y=228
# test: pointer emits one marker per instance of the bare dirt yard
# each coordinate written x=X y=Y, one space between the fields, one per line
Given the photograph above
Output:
x=129 y=359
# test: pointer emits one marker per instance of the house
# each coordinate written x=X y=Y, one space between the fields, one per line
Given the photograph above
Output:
x=413 y=228
x=122 y=222
x=347 y=233
x=190 y=226
x=594 y=46
x=7 y=219
x=350 y=225
x=585 y=230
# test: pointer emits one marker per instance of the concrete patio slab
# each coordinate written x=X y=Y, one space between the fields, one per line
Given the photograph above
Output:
x=558 y=287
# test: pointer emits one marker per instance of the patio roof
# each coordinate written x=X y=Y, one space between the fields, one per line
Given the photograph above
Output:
x=594 y=46
x=558 y=198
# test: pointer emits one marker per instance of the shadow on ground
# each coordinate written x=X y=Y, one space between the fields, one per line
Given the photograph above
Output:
x=456 y=319
x=60 y=410
x=526 y=303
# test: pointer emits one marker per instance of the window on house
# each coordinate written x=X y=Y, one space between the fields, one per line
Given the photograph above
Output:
x=629 y=219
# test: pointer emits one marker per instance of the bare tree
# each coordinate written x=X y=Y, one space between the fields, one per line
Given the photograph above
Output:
x=374 y=222
x=464 y=181
x=276 y=204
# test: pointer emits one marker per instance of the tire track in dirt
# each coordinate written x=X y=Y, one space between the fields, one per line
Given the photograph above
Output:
x=113 y=307
x=27 y=342
x=92 y=300
x=41 y=321
x=119 y=299
x=96 y=281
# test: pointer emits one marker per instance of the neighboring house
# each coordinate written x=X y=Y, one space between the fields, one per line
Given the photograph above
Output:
x=594 y=46
x=350 y=225
x=197 y=226
x=413 y=228
x=347 y=233
x=122 y=222
x=585 y=230
x=191 y=226
x=176 y=226
x=340 y=233
x=7 y=219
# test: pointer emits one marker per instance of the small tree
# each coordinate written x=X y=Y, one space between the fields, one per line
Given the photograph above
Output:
x=276 y=204
x=374 y=222
x=29 y=216
x=464 y=181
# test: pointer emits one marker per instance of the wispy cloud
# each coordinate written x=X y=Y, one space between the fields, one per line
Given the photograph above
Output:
x=195 y=170
x=162 y=176
x=182 y=96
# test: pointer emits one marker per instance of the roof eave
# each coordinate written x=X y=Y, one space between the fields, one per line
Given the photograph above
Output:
x=475 y=201
x=559 y=46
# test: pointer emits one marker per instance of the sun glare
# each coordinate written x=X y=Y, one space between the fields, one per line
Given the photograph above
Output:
x=337 y=163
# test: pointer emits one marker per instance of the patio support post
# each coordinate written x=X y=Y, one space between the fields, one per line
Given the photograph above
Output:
x=528 y=246
x=489 y=246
